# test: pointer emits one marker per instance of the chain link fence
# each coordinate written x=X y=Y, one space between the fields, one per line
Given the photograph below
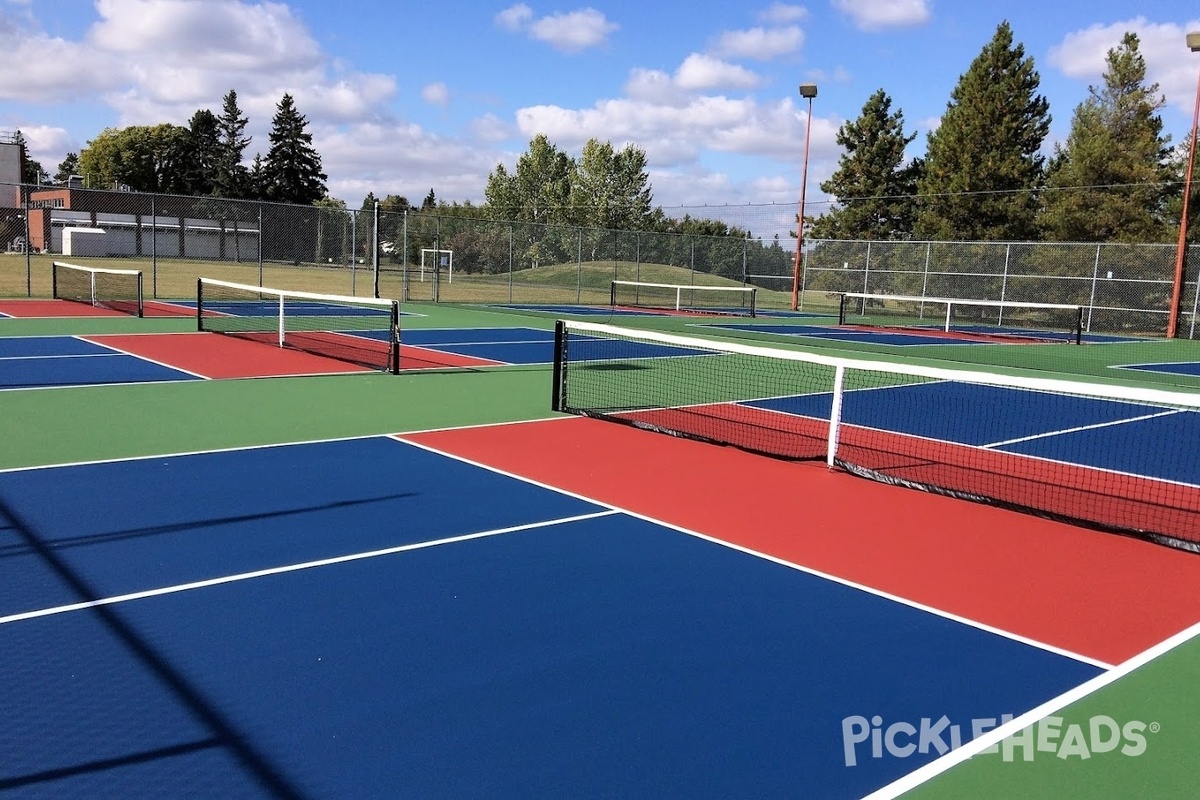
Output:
x=412 y=256
x=431 y=255
x=1124 y=288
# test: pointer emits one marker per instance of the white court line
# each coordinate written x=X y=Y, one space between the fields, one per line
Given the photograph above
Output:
x=783 y=562
x=280 y=570
x=1092 y=427
x=70 y=386
x=56 y=356
x=185 y=453
x=84 y=338
x=996 y=735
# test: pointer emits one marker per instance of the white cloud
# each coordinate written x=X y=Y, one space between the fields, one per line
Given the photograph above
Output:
x=490 y=128
x=760 y=43
x=1082 y=54
x=436 y=94
x=40 y=68
x=697 y=73
x=575 y=31
x=226 y=35
x=515 y=18
x=701 y=72
x=369 y=157
x=675 y=135
x=569 y=32
x=783 y=14
x=877 y=15
x=48 y=145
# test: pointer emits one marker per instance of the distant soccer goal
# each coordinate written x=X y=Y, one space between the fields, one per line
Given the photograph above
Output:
x=435 y=260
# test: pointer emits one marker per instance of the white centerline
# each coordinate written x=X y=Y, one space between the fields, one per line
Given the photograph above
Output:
x=322 y=562
x=1095 y=426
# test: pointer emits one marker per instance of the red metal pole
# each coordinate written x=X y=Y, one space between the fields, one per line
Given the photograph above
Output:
x=800 y=218
x=1181 y=248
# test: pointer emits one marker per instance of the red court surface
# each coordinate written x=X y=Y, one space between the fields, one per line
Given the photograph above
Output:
x=65 y=308
x=215 y=356
x=1096 y=594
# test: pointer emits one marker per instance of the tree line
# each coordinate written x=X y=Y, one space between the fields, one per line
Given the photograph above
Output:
x=202 y=159
x=983 y=176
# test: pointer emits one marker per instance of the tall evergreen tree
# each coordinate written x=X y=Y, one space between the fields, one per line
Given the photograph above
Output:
x=31 y=171
x=873 y=186
x=292 y=167
x=66 y=168
x=231 y=178
x=983 y=165
x=203 y=153
x=1107 y=182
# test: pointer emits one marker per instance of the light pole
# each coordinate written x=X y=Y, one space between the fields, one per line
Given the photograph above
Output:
x=1193 y=43
x=808 y=91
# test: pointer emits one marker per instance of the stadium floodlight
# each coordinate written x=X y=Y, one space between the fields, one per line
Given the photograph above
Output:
x=807 y=91
x=1193 y=43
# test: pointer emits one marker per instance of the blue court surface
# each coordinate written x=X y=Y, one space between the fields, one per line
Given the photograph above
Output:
x=844 y=335
x=1122 y=437
x=900 y=338
x=520 y=345
x=610 y=311
x=295 y=308
x=40 y=361
x=367 y=618
x=580 y=310
x=1172 y=368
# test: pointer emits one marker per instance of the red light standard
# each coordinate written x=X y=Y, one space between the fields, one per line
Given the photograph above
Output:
x=1193 y=43
x=809 y=91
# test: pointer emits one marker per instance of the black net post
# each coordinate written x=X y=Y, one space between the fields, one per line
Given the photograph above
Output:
x=560 y=356
x=394 y=366
x=199 y=304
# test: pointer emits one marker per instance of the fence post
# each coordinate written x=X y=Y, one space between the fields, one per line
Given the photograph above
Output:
x=1195 y=308
x=354 y=252
x=745 y=255
x=637 y=250
x=375 y=247
x=867 y=269
x=404 y=261
x=260 y=244
x=1092 y=294
x=28 y=243
x=578 y=265
x=153 y=248
x=1004 y=283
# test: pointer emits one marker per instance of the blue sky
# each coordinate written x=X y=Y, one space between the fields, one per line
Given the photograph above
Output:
x=404 y=97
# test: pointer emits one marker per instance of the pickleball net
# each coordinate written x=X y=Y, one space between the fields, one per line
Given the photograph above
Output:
x=359 y=330
x=1053 y=322
x=724 y=300
x=1118 y=458
x=115 y=289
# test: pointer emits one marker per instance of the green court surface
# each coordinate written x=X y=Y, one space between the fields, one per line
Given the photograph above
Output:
x=41 y=427
x=1157 y=760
